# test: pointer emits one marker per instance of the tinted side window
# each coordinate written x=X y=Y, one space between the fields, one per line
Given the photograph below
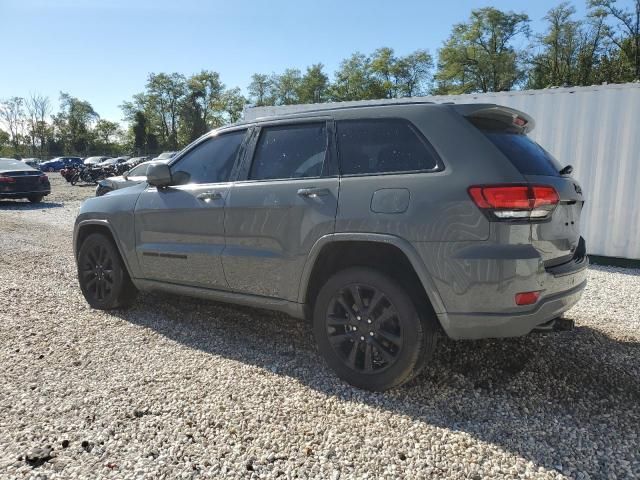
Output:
x=292 y=151
x=525 y=154
x=382 y=146
x=209 y=162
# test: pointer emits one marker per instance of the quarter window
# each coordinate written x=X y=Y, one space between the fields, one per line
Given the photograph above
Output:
x=382 y=146
x=209 y=162
x=292 y=151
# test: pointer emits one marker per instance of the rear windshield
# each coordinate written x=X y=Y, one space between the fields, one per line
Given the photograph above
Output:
x=525 y=154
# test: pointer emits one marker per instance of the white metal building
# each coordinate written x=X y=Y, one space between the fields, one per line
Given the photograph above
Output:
x=596 y=129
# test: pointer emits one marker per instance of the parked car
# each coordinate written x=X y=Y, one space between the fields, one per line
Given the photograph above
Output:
x=136 y=175
x=19 y=180
x=32 y=162
x=165 y=156
x=58 y=163
x=132 y=162
x=94 y=160
x=382 y=224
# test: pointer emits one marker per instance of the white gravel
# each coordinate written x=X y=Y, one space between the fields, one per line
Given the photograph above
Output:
x=178 y=388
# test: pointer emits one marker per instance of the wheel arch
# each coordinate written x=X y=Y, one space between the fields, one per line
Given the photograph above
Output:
x=86 y=227
x=313 y=268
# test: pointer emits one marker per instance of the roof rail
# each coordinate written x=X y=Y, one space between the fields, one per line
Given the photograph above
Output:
x=345 y=107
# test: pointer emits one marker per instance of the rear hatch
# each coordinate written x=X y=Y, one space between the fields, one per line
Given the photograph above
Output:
x=557 y=238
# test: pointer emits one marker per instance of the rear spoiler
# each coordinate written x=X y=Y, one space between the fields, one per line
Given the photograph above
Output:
x=497 y=117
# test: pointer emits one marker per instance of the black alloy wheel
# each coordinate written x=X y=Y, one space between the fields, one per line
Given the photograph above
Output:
x=103 y=278
x=369 y=331
x=363 y=328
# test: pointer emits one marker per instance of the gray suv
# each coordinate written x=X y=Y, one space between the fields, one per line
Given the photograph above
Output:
x=383 y=225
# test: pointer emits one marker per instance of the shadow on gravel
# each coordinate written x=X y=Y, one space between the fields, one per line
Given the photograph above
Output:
x=26 y=205
x=565 y=401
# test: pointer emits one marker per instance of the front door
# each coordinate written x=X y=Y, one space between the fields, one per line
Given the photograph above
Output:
x=180 y=229
x=283 y=202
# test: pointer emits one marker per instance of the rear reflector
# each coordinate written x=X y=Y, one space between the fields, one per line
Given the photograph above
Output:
x=4 y=179
x=527 y=298
x=515 y=202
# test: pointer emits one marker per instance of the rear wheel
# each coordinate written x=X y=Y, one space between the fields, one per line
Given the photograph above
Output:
x=103 y=278
x=369 y=331
x=35 y=198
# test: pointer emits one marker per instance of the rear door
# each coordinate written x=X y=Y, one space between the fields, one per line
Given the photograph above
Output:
x=285 y=199
x=180 y=229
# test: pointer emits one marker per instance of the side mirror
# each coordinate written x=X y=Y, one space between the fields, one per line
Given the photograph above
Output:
x=125 y=175
x=159 y=175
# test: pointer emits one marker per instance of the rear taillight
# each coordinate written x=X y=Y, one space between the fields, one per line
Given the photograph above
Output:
x=43 y=178
x=515 y=202
x=4 y=179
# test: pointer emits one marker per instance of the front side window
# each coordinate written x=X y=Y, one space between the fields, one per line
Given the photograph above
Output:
x=209 y=162
x=292 y=151
x=386 y=145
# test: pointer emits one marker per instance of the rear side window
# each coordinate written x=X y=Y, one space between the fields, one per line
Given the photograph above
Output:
x=525 y=154
x=292 y=151
x=382 y=146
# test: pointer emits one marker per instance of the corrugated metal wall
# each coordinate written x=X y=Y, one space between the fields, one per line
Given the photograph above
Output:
x=595 y=129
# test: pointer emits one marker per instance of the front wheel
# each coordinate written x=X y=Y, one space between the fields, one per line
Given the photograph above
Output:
x=35 y=198
x=368 y=329
x=103 y=278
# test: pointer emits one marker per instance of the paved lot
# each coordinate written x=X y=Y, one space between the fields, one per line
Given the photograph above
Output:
x=178 y=388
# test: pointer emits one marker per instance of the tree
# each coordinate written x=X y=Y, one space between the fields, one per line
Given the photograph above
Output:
x=139 y=129
x=413 y=74
x=313 y=85
x=12 y=113
x=38 y=108
x=627 y=35
x=557 y=64
x=165 y=95
x=74 y=122
x=480 y=55
x=355 y=80
x=383 y=66
x=261 y=90
x=233 y=104
x=286 y=86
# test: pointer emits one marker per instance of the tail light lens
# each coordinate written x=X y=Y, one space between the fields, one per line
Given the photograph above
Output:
x=43 y=178
x=515 y=202
x=4 y=179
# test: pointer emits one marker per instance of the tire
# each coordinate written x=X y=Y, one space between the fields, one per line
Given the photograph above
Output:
x=35 y=198
x=74 y=179
x=103 y=278
x=390 y=343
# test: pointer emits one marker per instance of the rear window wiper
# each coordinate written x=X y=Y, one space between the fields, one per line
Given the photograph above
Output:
x=566 y=170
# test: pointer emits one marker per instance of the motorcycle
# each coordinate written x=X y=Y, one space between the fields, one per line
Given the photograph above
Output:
x=88 y=174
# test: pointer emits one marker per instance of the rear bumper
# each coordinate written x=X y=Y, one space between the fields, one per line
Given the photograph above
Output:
x=25 y=194
x=484 y=325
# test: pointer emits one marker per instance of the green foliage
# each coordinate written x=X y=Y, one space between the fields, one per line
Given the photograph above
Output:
x=314 y=85
x=481 y=55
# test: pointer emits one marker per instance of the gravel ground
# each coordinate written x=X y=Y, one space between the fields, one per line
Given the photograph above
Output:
x=178 y=388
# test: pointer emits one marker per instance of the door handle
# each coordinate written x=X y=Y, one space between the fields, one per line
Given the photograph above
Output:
x=313 y=192
x=208 y=196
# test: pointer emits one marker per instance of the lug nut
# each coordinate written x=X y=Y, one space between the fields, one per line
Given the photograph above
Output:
x=358 y=318
x=371 y=334
x=362 y=338
x=368 y=320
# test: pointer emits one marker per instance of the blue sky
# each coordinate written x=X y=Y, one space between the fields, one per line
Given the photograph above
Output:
x=103 y=50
